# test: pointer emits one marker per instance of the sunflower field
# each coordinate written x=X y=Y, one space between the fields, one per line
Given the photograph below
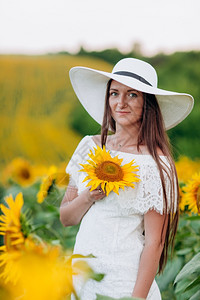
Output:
x=39 y=132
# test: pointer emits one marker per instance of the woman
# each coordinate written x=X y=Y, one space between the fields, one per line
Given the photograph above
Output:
x=129 y=234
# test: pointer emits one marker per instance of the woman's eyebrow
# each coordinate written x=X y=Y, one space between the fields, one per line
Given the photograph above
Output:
x=132 y=90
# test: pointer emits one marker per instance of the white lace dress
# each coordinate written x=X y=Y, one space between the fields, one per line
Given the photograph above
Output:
x=112 y=229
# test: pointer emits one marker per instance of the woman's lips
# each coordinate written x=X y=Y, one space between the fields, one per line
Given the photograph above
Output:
x=122 y=112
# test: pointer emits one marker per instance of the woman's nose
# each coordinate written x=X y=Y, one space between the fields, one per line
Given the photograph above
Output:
x=121 y=101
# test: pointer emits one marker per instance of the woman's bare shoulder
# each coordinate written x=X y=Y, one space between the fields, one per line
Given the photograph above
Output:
x=97 y=139
x=143 y=148
x=159 y=152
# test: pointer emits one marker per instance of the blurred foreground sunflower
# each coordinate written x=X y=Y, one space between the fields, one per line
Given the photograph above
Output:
x=39 y=271
x=42 y=273
x=108 y=171
x=191 y=194
x=30 y=268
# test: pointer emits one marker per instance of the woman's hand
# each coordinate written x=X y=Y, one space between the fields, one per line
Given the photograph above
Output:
x=74 y=206
x=94 y=195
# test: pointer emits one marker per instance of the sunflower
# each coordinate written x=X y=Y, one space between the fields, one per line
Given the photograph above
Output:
x=20 y=171
x=107 y=171
x=10 y=222
x=54 y=177
x=35 y=265
x=182 y=203
x=192 y=194
x=46 y=185
x=44 y=266
x=186 y=168
x=15 y=229
x=62 y=178
x=6 y=290
x=9 y=261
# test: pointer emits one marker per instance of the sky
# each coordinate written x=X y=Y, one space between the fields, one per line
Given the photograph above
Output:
x=41 y=26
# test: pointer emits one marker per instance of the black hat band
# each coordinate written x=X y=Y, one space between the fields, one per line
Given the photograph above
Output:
x=133 y=75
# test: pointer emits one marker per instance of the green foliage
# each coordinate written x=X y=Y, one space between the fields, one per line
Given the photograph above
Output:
x=82 y=123
x=188 y=237
x=188 y=279
x=110 y=55
x=181 y=72
x=25 y=224
x=193 y=266
x=187 y=245
x=172 y=268
x=45 y=217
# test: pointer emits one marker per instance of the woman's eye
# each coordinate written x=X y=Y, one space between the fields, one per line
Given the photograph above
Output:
x=113 y=94
x=133 y=95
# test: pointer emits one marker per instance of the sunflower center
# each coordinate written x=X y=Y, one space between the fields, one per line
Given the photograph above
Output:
x=198 y=198
x=109 y=171
x=24 y=173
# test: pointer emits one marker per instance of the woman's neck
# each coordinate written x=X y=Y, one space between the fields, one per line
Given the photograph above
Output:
x=126 y=136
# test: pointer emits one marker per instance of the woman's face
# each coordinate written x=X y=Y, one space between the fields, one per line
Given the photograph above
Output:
x=126 y=104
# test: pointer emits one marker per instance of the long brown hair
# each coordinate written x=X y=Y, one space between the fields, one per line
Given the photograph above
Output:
x=152 y=134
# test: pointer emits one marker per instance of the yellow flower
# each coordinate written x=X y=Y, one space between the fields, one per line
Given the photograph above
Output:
x=15 y=229
x=43 y=274
x=9 y=261
x=20 y=171
x=35 y=265
x=192 y=194
x=53 y=177
x=186 y=168
x=46 y=184
x=10 y=223
x=6 y=290
x=40 y=271
x=182 y=203
x=45 y=187
x=30 y=270
x=107 y=172
x=62 y=178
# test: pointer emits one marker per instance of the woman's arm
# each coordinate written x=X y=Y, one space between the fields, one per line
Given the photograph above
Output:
x=73 y=206
x=149 y=261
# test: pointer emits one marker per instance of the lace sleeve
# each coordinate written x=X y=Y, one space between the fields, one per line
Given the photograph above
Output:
x=148 y=193
x=151 y=194
x=78 y=156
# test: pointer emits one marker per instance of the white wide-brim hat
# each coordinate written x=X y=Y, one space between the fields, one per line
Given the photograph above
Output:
x=90 y=87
